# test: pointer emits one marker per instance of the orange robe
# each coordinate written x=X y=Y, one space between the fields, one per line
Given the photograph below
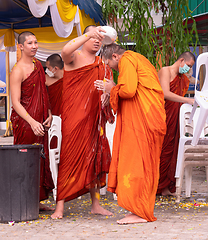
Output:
x=140 y=128
x=168 y=157
x=34 y=98
x=55 y=96
x=85 y=153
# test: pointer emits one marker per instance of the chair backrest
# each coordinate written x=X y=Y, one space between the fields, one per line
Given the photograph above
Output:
x=185 y=112
x=202 y=60
x=55 y=131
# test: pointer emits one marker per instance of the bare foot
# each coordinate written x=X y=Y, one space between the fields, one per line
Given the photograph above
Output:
x=131 y=218
x=166 y=192
x=96 y=208
x=128 y=214
x=100 y=210
x=43 y=207
x=58 y=214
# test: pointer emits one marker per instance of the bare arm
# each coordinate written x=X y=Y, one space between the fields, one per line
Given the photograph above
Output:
x=165 y=77
x=69 y=49
x=16 y=78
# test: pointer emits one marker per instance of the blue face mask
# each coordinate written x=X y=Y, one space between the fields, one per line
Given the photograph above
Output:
x=184 y=69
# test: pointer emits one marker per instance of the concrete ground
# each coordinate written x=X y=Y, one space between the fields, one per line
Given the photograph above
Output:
x=187 y=220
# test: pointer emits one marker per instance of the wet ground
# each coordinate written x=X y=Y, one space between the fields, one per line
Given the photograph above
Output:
x=186 y=220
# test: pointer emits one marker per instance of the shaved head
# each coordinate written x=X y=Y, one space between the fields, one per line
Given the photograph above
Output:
x=187 y=56
x=55 y=60
x=88 y=28
x=23 y=35
x=108 y=50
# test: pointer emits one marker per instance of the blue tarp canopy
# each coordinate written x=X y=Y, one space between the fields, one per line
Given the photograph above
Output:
x=16 y=14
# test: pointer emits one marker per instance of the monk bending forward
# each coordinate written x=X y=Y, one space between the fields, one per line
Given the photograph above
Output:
x=140 y=128
x=85 y=153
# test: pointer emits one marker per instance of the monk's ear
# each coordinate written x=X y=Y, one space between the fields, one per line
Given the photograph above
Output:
x=115 y=56
x=20 y=46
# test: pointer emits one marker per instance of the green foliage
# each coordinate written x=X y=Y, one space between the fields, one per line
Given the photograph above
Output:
x=138 y=23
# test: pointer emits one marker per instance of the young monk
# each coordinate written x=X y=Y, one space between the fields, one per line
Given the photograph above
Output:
x=85 y=153
x=140 y=128
x=175 y=84
x=54 y=82
x=31 y=116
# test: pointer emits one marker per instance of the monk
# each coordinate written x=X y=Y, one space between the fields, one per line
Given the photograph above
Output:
x=54 y=82
x=31 y=116
x=138 y=101
x=85 y=153
x=175 y=84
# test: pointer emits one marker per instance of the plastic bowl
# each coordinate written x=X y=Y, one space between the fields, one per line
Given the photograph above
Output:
x=109 y=36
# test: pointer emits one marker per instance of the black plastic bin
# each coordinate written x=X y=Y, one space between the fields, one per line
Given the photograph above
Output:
x=19 y=182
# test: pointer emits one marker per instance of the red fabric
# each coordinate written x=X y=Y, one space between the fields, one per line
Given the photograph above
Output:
x=34 y=99
x=55 y=96
x=169 y=153
x=85 y=153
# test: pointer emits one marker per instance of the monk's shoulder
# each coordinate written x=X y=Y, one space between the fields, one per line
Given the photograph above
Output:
x=17 y=69
x=164 y=72
x=74 y=61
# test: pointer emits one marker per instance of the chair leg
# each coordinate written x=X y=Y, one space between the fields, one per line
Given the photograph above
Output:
x=114 y=196
x=54 y=172
x=199 y=126
x=188 y=180
x=206 y=167
x=192 y=112
x=178 y=190
x=179 y=181
x=180 y=158
x=54 y=194
x=103 y=191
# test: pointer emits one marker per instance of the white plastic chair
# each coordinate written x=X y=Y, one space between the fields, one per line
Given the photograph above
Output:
x=201 y=98
x=54 y=153
x=110 y=129
x=188 y=155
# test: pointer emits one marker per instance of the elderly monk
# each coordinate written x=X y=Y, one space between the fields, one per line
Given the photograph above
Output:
x=174 y=83
x=31 y=116
x=140 y=128
x=54 y=82
x=85 y=153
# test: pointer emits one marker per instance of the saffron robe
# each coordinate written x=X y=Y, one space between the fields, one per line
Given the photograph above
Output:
x=34 y=98
x=85 y=153
x=168 y=157
x=140 y=128
x=55 y=96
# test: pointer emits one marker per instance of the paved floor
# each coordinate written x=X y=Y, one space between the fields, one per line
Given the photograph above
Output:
x=187 y=220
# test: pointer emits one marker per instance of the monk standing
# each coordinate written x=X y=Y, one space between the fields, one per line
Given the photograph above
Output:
x=54 y=82
x=140 y=128
x=85 y=153
x=175 y=84
x=31 y=116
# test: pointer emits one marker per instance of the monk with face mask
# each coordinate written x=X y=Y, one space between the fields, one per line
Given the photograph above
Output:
x=175 y=84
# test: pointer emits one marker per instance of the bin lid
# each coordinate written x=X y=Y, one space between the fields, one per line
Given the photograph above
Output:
x=24 y=146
